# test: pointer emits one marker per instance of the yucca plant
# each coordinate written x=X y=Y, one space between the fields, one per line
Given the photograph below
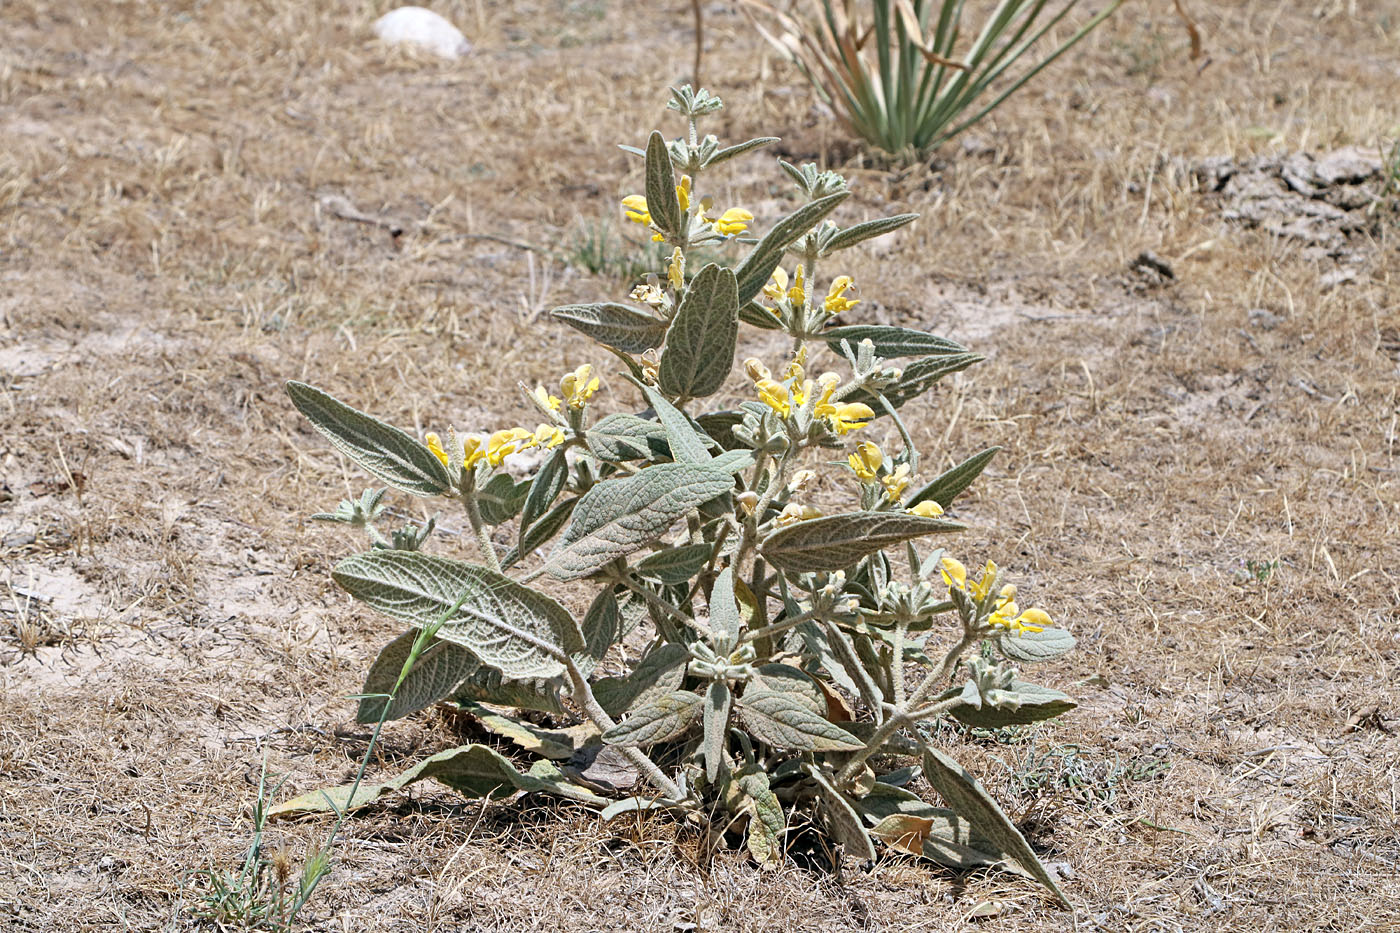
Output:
x=900 y=74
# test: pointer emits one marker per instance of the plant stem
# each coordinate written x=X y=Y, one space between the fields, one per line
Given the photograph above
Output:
x=667 y=608
x=583 y=695
x=483 y=537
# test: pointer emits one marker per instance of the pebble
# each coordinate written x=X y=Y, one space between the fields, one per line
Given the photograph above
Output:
x=422 y=27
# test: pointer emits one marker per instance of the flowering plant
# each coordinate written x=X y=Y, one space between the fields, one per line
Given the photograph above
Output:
x=748 y=649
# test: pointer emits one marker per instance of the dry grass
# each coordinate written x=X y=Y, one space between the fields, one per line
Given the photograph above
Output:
x=169 y=256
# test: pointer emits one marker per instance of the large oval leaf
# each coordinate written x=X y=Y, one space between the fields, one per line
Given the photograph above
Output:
x=891 y=342
x=838 y=541
x=511 y=627
x=388 y=454
x=618 y=326
x=700 y=343
x=784 y=721
x=917 y=378
x=663 y=719
x=946 y=486
x=1037 y=704
x=436 y=674
x=757 y=268
x=1031 y=647
x=620 y=437
x=619 y=516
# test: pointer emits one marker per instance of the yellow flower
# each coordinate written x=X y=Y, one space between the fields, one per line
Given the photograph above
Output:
x=548 y=436
x=793 y=512
x=579 y=386
x=866 y=461
x=926 y=509
x=683 y=192
x=834 y=303
x=797 y=294
x=473 y=451
x=846 y=417
x=1007 y=594
x=775 y=395
x=896 y=482
x=543 y=399
x=675 y=272
x=800 y=390
x=733 y=222
x=801 y=480
x=954 y=573
x=636 y=208
x=979 y=590
x=777 y=286
x=1032 y=620
x=794 y=367
x=648 y=293
x=434 y=443
x=756 y=370
x=506 y=442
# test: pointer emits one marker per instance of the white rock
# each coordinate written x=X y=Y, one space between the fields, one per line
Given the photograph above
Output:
x=424 y=28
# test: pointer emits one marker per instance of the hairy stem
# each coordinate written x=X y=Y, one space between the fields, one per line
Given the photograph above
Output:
x=583 y=696
x=483 y=537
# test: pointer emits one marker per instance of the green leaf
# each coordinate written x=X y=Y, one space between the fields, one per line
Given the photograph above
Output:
x=438 y=671
x=724 y=613
x=1033 y=647
x=665 y=718
x=1037 y=704
x=548 y=483
x=970 y=801
x=615 y=325
x=600 y=626
x=718 y=700
x=756 y=315
x=528 y=736
x=946 y=487
x=767 y=825
x=665 y=210
x=387 y=453
x=501 y=499
x=688 y=444
x=719 y=427
x=729 y=152
x=474 y=770
x=488 y=686
x=733 y=461
x=793 y=683
x=865 y=231
x=676 y=565
x=783 y=721
x=700 y=343
x=621 y=437
x=842 y=820
x=757 y=268
x=660 y=671
x=918 y=378
x=836 y=542
x=891 y=342
x=512 y=628
x=619 y=516
x=539 y=532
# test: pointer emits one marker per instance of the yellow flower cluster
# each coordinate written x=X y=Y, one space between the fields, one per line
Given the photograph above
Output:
x=867 y=463
x=732 y=222
x=796 y=294
x=1007 y=614
x=496 y=447
x=794 y=392
x=578 y=387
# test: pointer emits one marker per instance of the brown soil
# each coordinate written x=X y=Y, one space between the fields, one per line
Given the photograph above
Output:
x=1200 y=475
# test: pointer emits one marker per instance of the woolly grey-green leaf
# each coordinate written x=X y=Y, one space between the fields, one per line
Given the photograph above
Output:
x=660 y=671
x=861 y=232
x=437 y=672
x=791 y=682
x=501 y=499
x=700 y=343
x=1036 y=704
x=719 y=427
x=388 y=454
x=729 y=152
x=767 y=825
x=665 y=210
x=918 y=378
x=725 y=621
x=619 y=516
x=836 y=542
x=666 y=717
x=528 y=736
x=520 y=632
x=630 y=330
x=548 y=483
x=756 y=315
x=622 y=437
x=946 y=486
x=676 y=565
x=487 y=685
x=1033 y=647
x=783 y=721
x=842 y=820
x=718 y=700
x=600 y=626
x=733 y=461
x=970 y=801
x=539 y=532
x=688 y=444
x=757 y=268
x=891 y=342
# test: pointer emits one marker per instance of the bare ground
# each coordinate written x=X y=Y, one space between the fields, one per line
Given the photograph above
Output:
x=1199 y=479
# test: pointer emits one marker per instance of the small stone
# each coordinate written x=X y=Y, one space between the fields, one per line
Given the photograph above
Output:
x=18 y=539
x=1348 y=166
x=1264 y=319
x=422 y=27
